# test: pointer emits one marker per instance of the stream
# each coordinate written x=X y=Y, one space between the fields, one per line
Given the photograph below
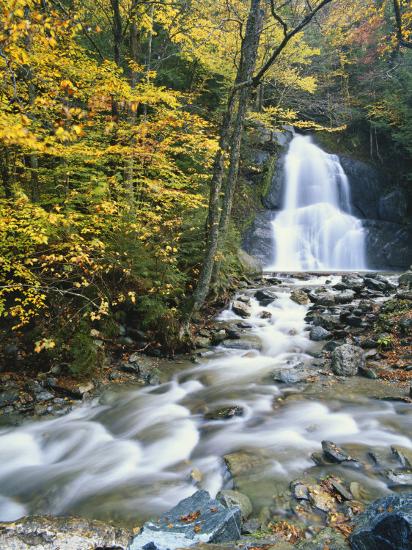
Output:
x=134 y=453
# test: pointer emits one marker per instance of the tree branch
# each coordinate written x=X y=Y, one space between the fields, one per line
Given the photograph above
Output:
x=288 y=36
x=399 y=26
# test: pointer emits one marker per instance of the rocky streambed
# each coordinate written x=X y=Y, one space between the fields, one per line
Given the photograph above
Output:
x=296 y=409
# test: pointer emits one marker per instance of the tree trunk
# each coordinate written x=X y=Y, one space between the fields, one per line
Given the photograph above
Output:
x=217 y=220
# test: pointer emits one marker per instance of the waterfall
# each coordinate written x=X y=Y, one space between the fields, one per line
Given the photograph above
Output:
x=315 y=229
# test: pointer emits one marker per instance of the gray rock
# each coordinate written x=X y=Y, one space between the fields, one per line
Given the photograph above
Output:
x=225 y=413
x=405 y=280
x=272 y=200
x=318 y=334
x=194 y=520
x=292 y=375
x=325 y=298
x=385 y=525
x=387 y=244
x=333 y=453
x=232 y=499
x=200 y=342
x=345 y=296
x=250 y=265
x=258 y=240
x=62 y=533
x=347 y=359
x=393 y=206
x=241 y=309
x=366 y=187
x=8 y=397
x=265 y=296
x=299 y=296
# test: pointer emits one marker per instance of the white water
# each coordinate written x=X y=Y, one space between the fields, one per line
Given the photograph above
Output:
x=315 y=229
x=130 y=455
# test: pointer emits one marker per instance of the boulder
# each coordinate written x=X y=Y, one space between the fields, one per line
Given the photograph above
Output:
x=63 y=533
x=345 y=296
x=322 y=298
x=347 y=359
x=318 y=334
x=405 y=280
x=333 y=453
x=265 y=296
x=241 y=309
x=292 y=375
x=385 y=525
x=393 y=206
x=235 y=499
x=195 y=519
x=299 y=296
x=250 y=265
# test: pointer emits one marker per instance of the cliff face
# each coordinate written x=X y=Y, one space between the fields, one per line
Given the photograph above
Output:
x=382 y=207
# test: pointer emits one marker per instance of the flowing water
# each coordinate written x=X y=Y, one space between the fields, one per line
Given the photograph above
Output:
x=315 y=229
x=134 y=453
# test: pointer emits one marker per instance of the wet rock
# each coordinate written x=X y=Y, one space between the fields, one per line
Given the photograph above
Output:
x=251 y=526
x=63 y=533
x=8 y=397
x=240 y=463
x=341 y=489
x=225 y=413
x=386 y=524
x=330 y=346
x=347 y=359
x=375 y=284
x=265 y=315
x=318 y=334
x=201 y=342
x=241 y=309
x=292 y=375
x=345 y=297
x=265 y=297
x=405 y=280
x=250 y=344
x=405 y=325
x=322 y=298
x=351 y=282
x=299 y=296
x=393 y=206
x=368 y=373
x=74 y=391
x=354 y=321
x=329 y=322
x=232 y=334
x=333 y=453
x=243 y=298
x=244 y=325
x=218 y=337
x=231 y=499
x=251 y=265
x=299 y=490
x=194 y=520
x=403 y=454
x=258 y=241
x=400 y=478
x=387 y=244
x=321 y=499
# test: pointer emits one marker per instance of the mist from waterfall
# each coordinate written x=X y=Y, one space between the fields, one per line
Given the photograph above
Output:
x=315 y=229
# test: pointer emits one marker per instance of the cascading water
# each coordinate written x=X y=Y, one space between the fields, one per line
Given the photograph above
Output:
x=315 y=229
